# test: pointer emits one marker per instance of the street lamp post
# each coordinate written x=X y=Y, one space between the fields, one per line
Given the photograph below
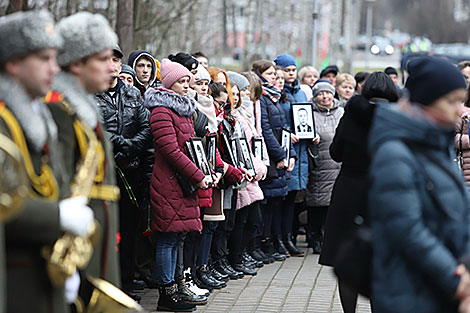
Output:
x=370 y=12
x=314 y=33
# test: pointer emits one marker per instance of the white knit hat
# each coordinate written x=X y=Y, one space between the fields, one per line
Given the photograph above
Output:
x=202 y=74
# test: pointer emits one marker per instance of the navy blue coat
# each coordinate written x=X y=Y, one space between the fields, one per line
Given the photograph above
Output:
x=298 y=179
x=416 y=245
x=276 y=187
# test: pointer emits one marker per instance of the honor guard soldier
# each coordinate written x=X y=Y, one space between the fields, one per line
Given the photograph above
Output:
x=27 y=68
x=86 y=69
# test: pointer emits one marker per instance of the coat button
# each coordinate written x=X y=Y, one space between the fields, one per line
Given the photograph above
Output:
x=429 y=186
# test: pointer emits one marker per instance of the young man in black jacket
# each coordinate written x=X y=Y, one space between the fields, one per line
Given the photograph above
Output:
x=127 y=124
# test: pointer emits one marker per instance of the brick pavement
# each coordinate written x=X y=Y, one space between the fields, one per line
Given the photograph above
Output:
x=295 y=285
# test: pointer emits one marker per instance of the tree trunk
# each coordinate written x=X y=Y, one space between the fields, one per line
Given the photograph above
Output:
x=125 y=25
x=16 y=5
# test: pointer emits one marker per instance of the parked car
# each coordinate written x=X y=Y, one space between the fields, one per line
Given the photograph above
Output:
x=381 y=46
x=456 y=52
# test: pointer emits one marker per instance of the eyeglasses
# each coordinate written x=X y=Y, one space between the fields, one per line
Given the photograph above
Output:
x=221 y=103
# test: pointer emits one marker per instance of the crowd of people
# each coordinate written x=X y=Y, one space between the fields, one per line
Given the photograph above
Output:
x=198 y=175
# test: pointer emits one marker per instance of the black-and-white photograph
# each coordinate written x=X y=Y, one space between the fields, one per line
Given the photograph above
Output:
x=229 y=155
x=285 y=144
x=211 y=148
x=304 y=123
x=257 y=148
x=246 y=156
x=201 y=159
x=235 y=151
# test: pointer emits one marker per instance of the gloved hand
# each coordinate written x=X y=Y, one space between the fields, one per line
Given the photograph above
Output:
x=75 y=215
x=72 y=284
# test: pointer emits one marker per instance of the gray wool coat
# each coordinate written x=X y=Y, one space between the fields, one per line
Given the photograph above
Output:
x=322 y=169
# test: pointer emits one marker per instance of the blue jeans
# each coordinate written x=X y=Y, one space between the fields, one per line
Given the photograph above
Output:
x=166 y=256
x=208 y=228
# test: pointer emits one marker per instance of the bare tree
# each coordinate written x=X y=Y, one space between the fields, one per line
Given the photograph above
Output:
x=125 y=25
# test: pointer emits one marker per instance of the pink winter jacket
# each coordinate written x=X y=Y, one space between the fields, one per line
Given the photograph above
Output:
x=252 y=192
x=462 y=140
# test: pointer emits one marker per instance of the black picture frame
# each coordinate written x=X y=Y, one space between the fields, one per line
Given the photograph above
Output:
x=257 y=148
x=228 y=153
x=285 y=144
x=200 y=158
x=235 y=150
x=246 y=157
x=303 y=120
x=211 y=150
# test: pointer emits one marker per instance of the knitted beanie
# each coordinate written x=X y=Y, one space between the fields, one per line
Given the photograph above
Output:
x=128 y=70
x=238 y=79
x=432 y=78
x=202 y=74
x=285 y=60
x=184 y=59
x=172 y=72
x=25 y=32
x=323 y=85
x=84 y=34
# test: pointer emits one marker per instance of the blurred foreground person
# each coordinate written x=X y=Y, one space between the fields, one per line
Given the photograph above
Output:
x=28 y=66
x=349 y=196
x=418 y=203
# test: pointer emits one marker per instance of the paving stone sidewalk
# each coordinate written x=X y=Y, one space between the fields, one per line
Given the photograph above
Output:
x=295 y=285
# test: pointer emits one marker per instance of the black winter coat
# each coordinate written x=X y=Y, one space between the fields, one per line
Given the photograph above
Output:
x=349 y=197
x=127 y=123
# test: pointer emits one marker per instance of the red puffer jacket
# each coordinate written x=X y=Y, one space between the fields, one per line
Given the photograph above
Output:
x=172 y=127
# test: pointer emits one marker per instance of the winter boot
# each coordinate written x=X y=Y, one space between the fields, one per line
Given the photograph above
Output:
x=279 y=246
x=170 y=301
x=315 y=242
x=190 y=283
x=293 y=250
x=188 y=296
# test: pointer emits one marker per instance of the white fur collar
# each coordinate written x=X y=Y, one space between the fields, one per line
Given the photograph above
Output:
x=36 y=126
x=82 y=103
x=183 y=106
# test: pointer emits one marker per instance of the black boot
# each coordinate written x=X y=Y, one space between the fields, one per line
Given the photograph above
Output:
x=188 y=296
x=249 y=260
x=220 y=266
x=205 y=277
x=218 y=275
x=315 y=242
x=231 y=269
x=240 y=267
x=170 y=301
x=293 y=250
x=279 y=246
x=268 y=248
x=259 y=255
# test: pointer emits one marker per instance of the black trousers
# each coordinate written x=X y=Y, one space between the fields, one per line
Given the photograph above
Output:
x=128 y=224
x=283 y=215
x=248 y=220
x=267 y=211
x=219 y=247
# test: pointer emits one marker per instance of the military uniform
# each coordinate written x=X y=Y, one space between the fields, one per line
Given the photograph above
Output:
x=28 y=286
x=70 y=105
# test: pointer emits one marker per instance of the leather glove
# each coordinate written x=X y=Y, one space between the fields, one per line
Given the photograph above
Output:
x=72 y=284
x=75 y=215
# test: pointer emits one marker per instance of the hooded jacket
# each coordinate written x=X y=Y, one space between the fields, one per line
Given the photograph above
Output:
x=134 y=56
x=172 y=126
x=416 y=245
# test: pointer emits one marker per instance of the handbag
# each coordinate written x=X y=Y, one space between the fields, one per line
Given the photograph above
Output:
x=353 y=263
x=186 y=186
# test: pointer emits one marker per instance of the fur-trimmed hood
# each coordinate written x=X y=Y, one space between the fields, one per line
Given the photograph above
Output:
x=37 y=126
x=162 y=97
x=83 y=104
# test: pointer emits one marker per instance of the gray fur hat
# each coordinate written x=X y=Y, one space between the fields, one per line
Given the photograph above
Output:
x=25 y=32
x=238 y=79
x=84 y=34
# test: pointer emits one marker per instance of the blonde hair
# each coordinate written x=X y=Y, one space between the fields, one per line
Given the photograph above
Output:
x=307 y=69
x=344 y=77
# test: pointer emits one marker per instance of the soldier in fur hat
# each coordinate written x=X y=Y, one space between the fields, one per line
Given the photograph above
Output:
x=27 y=68
x=86 y=69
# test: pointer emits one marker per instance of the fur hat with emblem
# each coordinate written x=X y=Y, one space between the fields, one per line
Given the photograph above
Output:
x=84 y=34
x=24 y=32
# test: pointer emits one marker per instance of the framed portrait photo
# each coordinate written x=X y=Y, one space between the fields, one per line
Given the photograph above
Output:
x=257 y=148
x=304 y=123
x=200 y=158
x=285 y=144
x=211 y=150
x=246 y=156
x=235 y=151
x=228 y=152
